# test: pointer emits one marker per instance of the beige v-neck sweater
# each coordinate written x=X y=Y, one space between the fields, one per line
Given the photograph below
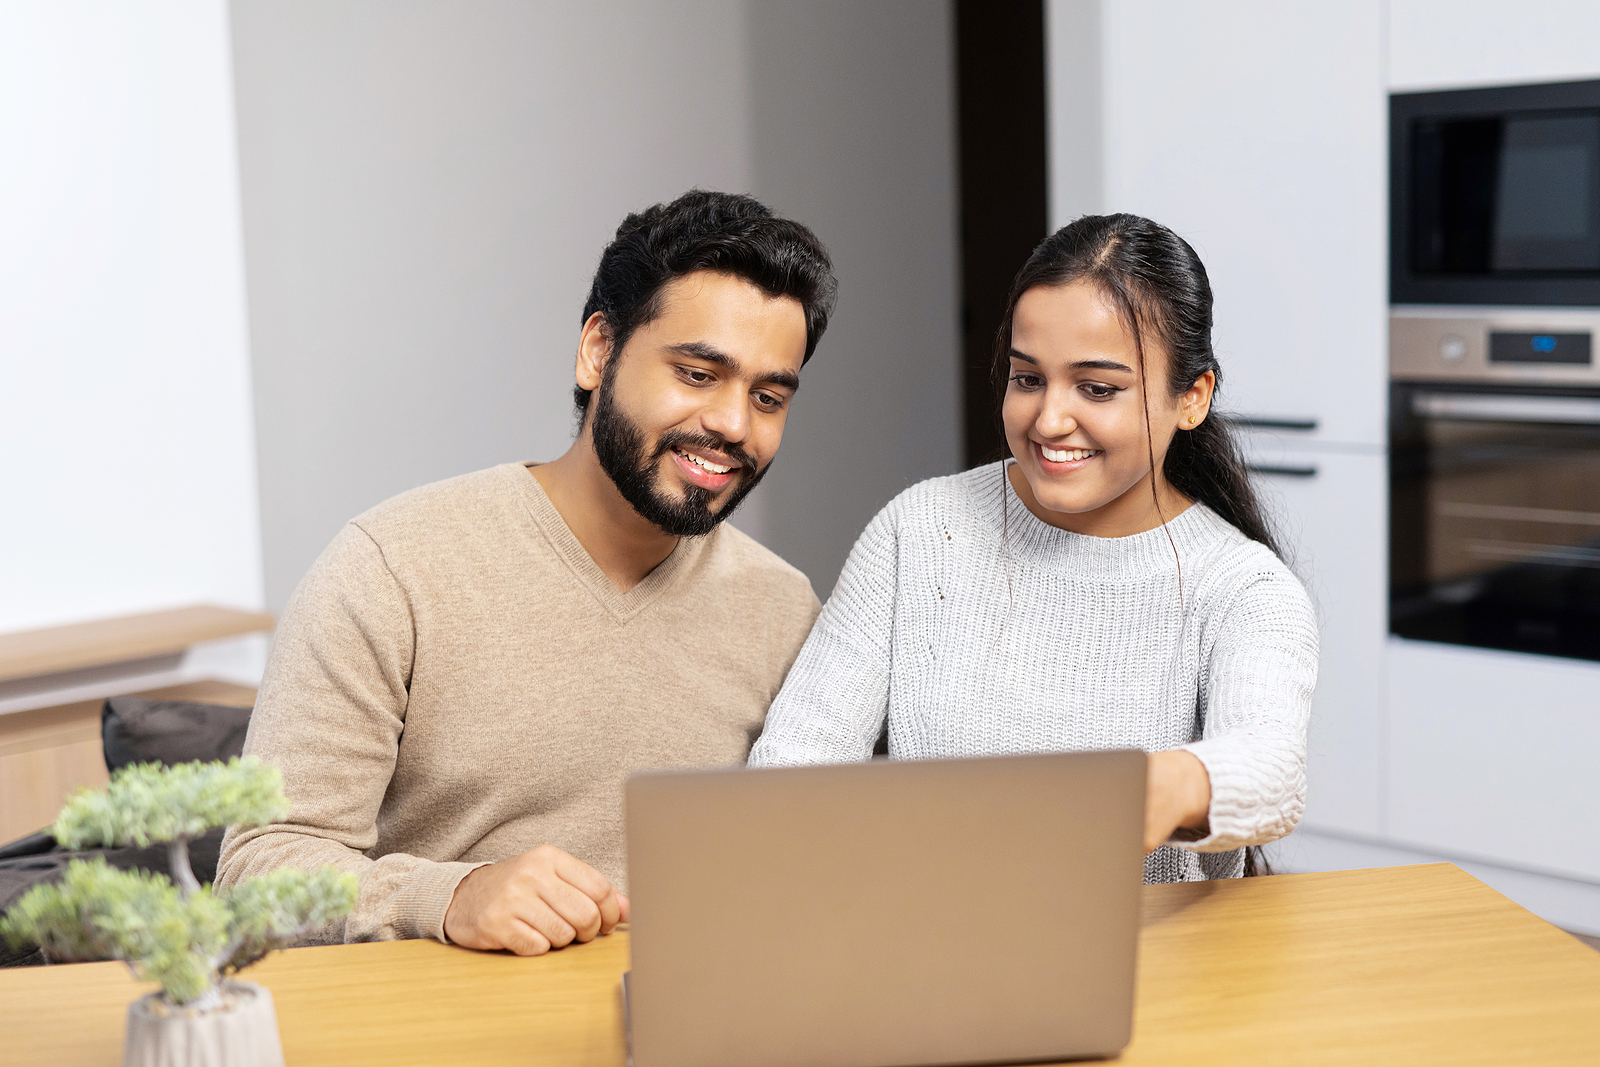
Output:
x=456 y=682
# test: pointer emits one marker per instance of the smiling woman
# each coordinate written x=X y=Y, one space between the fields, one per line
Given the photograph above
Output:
x=1112 y=586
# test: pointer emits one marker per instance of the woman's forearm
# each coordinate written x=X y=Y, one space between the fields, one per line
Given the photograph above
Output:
x=1177 y=798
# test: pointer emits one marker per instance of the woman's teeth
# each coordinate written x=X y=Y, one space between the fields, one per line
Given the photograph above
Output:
x=1068 y=455
x=705 y=464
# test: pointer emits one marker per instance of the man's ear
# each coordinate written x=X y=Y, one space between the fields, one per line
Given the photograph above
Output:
x=594 y=349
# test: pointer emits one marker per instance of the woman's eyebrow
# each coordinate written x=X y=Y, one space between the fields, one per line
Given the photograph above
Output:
x=1082 y=364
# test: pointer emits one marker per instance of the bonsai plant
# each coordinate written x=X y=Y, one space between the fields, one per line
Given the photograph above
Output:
x=176 y=931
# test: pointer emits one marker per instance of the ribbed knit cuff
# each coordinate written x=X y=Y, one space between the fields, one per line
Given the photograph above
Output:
x=1246 y=806
x=420 y=907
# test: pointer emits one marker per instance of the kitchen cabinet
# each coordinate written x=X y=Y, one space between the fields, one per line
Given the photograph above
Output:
x=1257 y=131
x=1491 y=755
x=1331 y=510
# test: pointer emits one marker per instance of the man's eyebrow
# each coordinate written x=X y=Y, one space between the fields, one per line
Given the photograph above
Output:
x=709 y=354
x=1082 y=364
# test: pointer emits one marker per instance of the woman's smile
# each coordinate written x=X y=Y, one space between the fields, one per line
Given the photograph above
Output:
x=1064 y=460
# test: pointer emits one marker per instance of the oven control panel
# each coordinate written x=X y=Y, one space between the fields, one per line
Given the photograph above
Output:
x=1553 y=345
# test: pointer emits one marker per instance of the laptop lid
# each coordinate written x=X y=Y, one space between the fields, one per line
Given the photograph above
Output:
x=885 y=914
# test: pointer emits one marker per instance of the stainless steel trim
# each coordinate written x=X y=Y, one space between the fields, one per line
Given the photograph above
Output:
x=1518 y=514
x=1452 y=344
x=1493 y=407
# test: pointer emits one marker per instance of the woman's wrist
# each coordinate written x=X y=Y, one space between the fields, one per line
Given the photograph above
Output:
x=1178 y=801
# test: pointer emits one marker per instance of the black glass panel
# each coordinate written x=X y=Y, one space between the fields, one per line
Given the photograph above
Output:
x=1495 y=521
x=1506 y=195
x=1514 y=347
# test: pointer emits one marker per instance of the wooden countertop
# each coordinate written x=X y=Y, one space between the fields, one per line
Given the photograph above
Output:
x=1406 y=965
x=29 y=653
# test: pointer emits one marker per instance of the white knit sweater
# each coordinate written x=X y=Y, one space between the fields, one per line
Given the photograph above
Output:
x=978 y=630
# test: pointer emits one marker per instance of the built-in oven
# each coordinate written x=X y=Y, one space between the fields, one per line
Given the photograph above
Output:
x=1494 y=407
x=1494 y=479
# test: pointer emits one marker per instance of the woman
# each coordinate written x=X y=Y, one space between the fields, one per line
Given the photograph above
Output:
x=1114 y=585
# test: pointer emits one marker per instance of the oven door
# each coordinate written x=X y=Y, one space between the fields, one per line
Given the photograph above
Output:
x=1494 y=516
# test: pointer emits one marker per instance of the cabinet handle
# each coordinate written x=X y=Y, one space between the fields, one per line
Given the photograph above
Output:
x=1290 y=472
x=1272 y=422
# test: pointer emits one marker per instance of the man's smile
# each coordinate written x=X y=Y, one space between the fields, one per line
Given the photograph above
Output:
x=702 y=470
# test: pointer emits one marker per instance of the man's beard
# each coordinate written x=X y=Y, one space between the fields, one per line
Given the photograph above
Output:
x=619 y=445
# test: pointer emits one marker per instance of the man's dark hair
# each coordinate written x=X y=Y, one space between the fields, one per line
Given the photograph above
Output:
x=702 y=230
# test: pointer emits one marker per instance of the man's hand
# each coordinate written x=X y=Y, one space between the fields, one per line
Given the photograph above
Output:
x=532 y=903
x=1177 y=797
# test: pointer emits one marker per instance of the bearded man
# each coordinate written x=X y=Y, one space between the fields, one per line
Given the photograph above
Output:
x=468 y=673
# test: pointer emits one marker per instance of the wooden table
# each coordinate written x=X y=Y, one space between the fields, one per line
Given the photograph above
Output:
x=1406 y=965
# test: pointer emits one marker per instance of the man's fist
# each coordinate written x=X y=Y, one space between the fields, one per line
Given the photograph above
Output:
x=532 y=903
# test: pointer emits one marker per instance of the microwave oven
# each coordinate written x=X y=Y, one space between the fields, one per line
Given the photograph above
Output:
x=1495 y=196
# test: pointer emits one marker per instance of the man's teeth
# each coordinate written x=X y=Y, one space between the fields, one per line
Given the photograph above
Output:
x=714 y=468
x=1068 y=455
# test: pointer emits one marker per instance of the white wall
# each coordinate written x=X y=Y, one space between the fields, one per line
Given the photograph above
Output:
x=128 y=478
x=853 y=133
x=428 y=186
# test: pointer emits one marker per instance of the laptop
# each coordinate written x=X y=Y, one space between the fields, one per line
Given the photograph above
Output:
x=885 y=914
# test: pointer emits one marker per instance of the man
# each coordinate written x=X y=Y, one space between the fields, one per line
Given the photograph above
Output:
x=469 y=672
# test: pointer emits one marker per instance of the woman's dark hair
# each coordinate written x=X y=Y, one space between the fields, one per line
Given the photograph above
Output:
x=703 y=230
x=1159 y=285
x=1160 y=289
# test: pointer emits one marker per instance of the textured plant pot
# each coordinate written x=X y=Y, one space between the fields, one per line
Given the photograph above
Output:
x=242 y=1032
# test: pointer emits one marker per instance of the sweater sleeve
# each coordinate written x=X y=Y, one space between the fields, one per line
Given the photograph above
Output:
x=329 y=715
x=836 y=696
x=1256 y=703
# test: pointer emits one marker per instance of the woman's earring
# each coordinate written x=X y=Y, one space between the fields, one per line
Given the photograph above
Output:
x=1191 y=420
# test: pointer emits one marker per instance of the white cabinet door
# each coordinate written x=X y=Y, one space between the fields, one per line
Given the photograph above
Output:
x=1492 y=755
x=1258 y=131
x=1332 y=513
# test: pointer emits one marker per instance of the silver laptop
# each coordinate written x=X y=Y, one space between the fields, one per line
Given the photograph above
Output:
x=885 y=914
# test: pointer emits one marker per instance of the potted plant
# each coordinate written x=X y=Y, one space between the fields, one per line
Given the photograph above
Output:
x=176 y=931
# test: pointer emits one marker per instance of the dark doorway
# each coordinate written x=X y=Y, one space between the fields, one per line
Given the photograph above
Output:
x=1000 y=91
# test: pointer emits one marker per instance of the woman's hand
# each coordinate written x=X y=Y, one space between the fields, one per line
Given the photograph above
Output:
x=1177 y=797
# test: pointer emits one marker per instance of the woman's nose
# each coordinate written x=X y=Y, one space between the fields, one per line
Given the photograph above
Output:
x=1055 y=420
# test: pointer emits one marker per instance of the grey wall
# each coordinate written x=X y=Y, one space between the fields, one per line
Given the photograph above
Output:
x=427 y=185
x=852 y=109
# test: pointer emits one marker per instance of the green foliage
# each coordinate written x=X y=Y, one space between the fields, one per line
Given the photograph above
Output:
x=183 y=940
x=100 y=912
x=276 y=909
x=147 y=802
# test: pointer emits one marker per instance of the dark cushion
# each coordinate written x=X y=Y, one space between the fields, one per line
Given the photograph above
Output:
x=169 y=731
x=133 y=731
